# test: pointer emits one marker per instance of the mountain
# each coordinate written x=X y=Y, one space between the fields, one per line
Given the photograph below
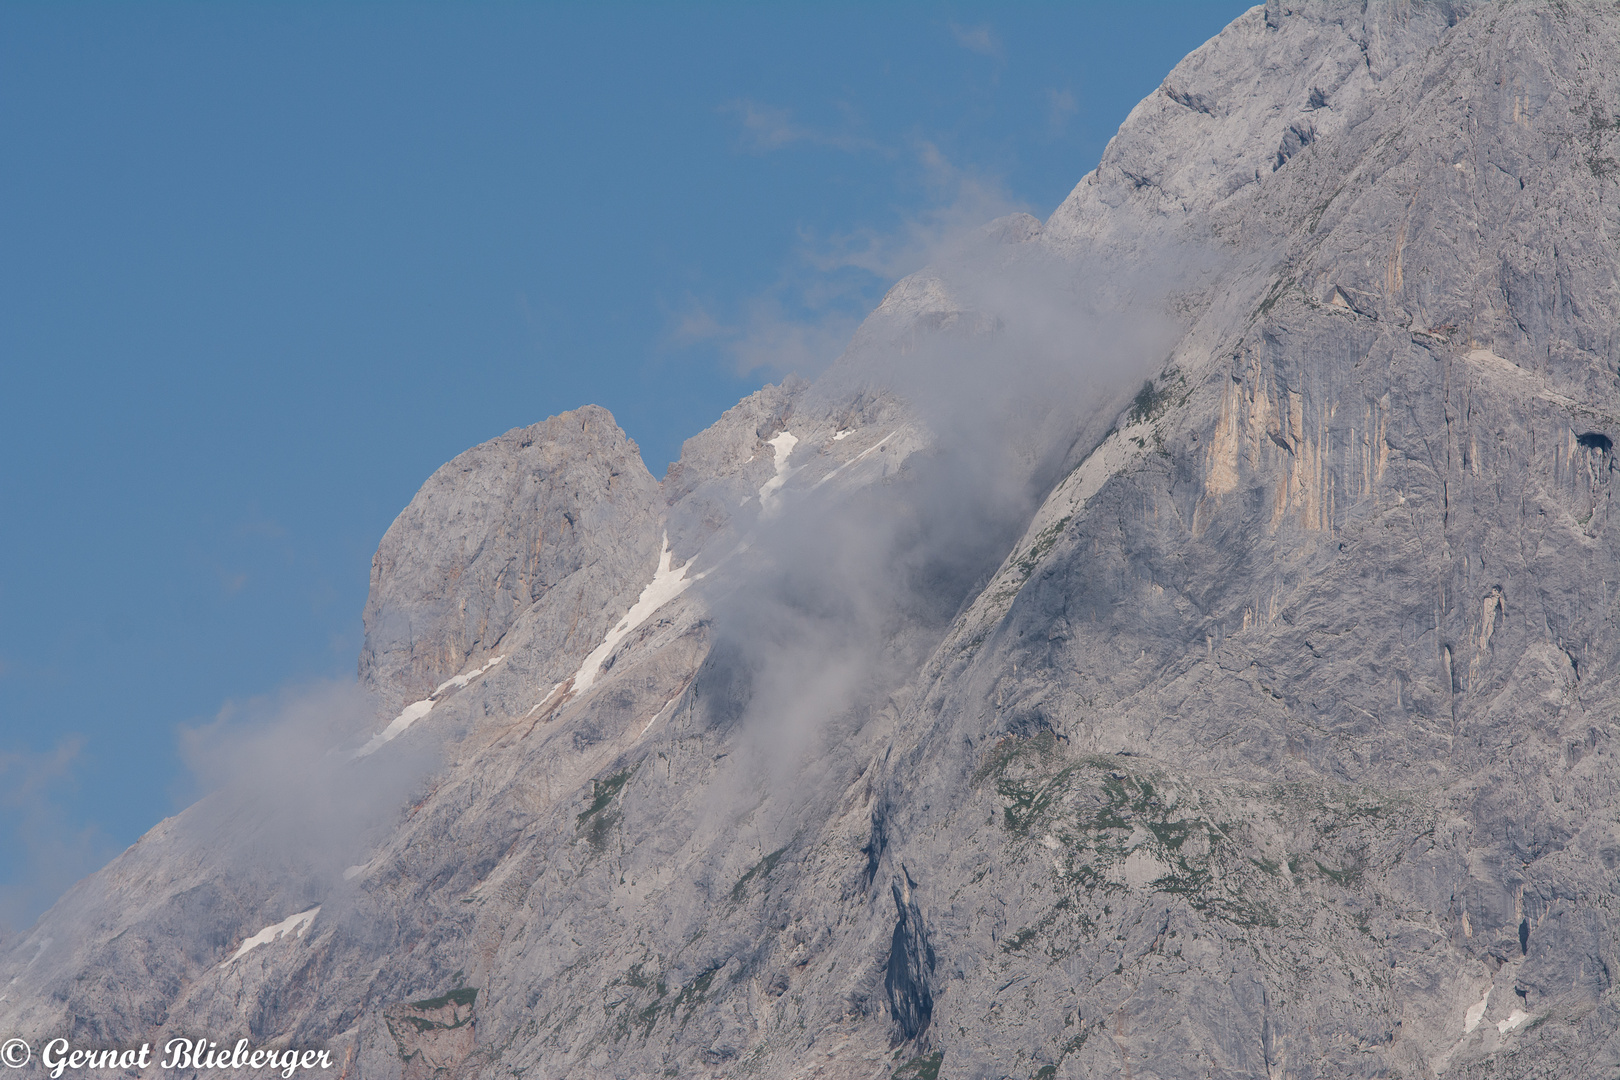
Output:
x=1176 y=639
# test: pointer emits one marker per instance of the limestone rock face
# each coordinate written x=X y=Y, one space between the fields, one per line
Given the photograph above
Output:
x=1255 y=721
x=498 y=530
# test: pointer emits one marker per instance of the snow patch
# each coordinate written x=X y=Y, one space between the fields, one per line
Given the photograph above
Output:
x=418 y=709
x=411 y=714
x=1515 y=1018
x=293 y=924
x=1475 y=1013
x=855 y=460
x=458 y=681
x=840 y=436
x=783 y=445
x=665 y=586
x=542 y=701
x=661 y=712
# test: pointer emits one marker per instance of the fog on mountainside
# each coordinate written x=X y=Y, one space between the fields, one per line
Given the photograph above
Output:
x=1177 y=639
x=839 y=592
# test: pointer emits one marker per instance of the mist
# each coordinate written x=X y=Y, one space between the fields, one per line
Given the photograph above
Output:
x=843 y=593
x=55 y=851
x=278 y=792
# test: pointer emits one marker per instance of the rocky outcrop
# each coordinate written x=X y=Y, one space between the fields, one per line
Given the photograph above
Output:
x=1257 y=721
x=543 y=517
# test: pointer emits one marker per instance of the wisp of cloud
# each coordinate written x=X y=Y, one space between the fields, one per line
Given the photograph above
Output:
x=842 y=595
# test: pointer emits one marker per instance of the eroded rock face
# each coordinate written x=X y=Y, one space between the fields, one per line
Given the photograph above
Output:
x=1280 y=743
x=495 y=532
x=434 y=1037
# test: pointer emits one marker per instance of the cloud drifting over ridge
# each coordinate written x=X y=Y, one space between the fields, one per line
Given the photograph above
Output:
x=55 y=852
x=1017 y=369
x=802 y=321
x=277 y=792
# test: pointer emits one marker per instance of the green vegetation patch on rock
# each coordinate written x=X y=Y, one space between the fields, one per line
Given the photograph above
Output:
x=1110 y=825
x=597 y=821
x=921 y=1067
x=760 y=870
x=465 y=995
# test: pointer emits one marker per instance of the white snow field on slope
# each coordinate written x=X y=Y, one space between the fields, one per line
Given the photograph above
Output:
x=783 y=446
x=418 y=709
x=665 y=586
x=1475 y=1011
x=292 y=924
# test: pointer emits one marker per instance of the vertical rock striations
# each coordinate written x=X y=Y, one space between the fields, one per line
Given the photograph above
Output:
x=1258 y=721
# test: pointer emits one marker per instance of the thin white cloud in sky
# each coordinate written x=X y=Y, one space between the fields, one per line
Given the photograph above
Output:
x=35 y=788
x=979 y=39
x=1060 y=106
x=778 y=332
x=802 y=321
x=959 y=199
x=766 y=128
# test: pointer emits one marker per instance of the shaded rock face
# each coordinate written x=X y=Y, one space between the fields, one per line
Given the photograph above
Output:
x=1279 y=743
x=434 y=1036
x=911 y=970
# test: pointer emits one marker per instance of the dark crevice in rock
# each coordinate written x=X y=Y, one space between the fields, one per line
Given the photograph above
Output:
x=1199 y=103
x=877 y=841
x=1299 y=135
x=1594 y=440
x=911 y=968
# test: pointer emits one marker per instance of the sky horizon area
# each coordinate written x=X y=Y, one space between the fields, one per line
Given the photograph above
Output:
x=267 y=267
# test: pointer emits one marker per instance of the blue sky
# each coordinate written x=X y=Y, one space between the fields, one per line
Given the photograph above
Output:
x=265 y=268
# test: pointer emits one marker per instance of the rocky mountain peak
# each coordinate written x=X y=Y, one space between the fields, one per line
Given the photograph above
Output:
x=1175 y=639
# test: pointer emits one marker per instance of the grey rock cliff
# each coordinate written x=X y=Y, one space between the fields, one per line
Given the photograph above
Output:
x=1255 y=722
x=522 y=526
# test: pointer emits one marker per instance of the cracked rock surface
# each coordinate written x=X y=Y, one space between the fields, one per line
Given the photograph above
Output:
x=1266 y=728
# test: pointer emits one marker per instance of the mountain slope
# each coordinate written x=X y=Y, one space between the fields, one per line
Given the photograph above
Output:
x=973 y=709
